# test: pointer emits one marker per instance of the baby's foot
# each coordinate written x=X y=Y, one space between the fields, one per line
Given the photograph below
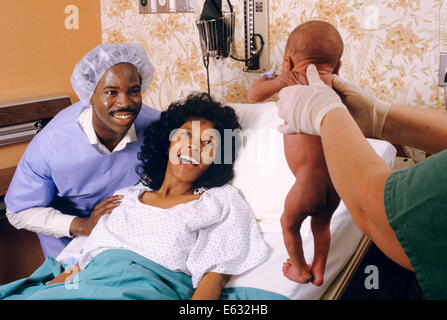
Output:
x=295 y=274
x=318 y=273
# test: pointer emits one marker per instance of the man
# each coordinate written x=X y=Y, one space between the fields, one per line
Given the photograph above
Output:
x=63 y=183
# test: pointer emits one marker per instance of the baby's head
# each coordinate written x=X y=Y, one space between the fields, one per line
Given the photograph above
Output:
x=316 y=42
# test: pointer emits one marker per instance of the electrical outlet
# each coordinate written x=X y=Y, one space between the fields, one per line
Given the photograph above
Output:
x=442 y=68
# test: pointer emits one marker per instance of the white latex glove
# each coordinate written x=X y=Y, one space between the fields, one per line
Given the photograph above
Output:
x=367 y=110
x=304 y=107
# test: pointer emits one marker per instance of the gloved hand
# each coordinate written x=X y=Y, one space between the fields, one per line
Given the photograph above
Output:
x=291 y=78
x=304 y=107
x=367 y=110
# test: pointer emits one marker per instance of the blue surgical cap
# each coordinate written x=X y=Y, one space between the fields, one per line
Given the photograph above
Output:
x=90 y=69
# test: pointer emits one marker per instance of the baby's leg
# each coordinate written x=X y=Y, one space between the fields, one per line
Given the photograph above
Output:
x=322 y=241
x=295 y=268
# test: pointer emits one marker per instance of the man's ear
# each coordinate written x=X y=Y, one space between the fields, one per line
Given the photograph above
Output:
x=287 y=63
x=337 y=68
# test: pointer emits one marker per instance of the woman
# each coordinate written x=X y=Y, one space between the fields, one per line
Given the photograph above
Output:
x=183 y=219
x=403 y=211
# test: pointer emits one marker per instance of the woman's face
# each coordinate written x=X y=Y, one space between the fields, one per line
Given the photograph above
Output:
x=192 y=149
x=116 y=101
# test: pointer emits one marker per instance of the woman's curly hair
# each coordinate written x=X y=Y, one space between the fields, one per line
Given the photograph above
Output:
x=154 y=154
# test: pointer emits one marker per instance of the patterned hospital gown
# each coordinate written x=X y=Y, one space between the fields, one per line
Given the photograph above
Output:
x=215 y=233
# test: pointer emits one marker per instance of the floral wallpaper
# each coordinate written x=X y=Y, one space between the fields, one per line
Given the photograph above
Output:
x=391 y=46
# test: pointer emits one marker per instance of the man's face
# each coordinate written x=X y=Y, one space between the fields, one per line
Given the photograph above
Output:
x=116 y=101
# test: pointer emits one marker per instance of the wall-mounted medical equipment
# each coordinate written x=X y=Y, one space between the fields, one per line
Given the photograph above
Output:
x=165 y=6
x=216 y=32
x=256 y=35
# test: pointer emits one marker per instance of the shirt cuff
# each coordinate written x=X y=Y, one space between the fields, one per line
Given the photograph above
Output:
x=61 y=224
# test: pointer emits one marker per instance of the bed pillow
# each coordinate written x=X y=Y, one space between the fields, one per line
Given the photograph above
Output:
x=261 y=170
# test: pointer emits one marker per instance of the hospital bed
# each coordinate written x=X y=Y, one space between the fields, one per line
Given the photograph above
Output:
x=262 y=175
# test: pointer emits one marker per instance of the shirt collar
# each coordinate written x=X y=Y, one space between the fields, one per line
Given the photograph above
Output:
x=86 y=123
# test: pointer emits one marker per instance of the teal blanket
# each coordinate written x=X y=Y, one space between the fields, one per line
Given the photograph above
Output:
x=117 y=275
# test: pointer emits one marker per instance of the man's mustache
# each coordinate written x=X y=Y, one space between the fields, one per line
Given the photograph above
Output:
x=126 y=110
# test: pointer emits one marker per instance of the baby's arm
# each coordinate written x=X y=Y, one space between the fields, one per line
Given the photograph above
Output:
x=210 y=287
x=263 y=88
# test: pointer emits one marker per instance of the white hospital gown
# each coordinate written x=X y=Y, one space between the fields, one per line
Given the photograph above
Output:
x=216 y=233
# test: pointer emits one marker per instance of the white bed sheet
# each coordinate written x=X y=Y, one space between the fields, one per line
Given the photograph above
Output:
x=268 y=276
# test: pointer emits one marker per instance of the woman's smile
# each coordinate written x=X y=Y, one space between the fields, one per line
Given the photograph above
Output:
x=188 y=162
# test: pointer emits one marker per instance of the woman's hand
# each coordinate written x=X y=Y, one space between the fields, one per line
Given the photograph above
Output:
x=83 y=226
x=66 y=276
x=367 y=110
x=303 y=107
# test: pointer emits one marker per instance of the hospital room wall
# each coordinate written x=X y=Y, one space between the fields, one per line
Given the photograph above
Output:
x=391 y=46
x=39 y=51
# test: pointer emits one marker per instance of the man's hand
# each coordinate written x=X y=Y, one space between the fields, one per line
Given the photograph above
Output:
x=83 y=226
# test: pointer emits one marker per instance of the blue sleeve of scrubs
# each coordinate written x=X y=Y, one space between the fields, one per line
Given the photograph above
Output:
x=32 y=185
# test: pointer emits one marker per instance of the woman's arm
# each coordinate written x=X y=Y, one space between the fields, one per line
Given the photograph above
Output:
x=359 y=176
x=424 y=129
x=210 y=287
x=420 y=128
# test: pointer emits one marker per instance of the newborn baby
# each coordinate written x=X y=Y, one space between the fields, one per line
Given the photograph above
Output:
x=319 y=43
